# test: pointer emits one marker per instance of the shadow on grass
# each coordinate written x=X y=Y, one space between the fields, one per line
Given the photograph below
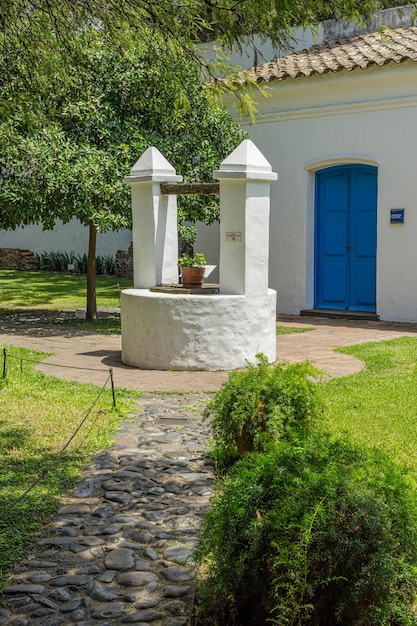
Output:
x=12 y=438
x=23 y=515
x=57 y=323
x=38 y=289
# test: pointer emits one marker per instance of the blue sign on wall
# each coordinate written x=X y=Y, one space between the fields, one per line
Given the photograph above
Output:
x=397 y=216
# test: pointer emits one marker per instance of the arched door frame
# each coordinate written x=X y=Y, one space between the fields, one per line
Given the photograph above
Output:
x=311 y=167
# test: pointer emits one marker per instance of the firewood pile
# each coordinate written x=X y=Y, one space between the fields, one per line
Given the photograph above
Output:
x=123 y=263
x=16 y=259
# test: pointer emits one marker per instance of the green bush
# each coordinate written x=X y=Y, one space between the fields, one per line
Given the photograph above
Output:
x=81 y=261
x=260 y=404
x=59 y=261
x=317 y=534
x=55 y=261
x=105 y=264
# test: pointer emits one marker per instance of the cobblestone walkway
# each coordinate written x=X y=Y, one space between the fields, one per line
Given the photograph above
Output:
x=118 y=551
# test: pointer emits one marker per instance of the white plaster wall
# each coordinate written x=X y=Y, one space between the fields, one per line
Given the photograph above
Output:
x=186 y=332
x=309 y=123
x=64 y=238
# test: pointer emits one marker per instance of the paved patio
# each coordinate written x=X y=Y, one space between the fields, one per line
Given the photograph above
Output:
x=85 y=357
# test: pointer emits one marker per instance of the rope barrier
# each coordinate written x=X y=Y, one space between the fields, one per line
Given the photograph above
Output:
x=117 y=286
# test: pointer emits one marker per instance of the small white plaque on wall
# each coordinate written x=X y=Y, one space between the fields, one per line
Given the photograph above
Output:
x=236 y=237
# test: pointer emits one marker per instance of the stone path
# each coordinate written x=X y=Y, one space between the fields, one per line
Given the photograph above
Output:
x=118 y=551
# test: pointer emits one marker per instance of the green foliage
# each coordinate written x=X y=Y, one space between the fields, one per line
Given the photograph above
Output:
x=318 y=533
x=90 y=126
x=226 y=21
x=82 y=263
x=59 y=261
x=198 y=260
x=55 y=261
x=105 y=265
x=259 y=405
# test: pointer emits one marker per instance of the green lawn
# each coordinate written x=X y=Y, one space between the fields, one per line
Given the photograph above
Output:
x=20 y=291
x=39 y=414
x=289 y=330
x=378 y=406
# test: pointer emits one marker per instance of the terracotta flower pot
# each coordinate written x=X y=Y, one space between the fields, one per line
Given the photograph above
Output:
x=192 y=277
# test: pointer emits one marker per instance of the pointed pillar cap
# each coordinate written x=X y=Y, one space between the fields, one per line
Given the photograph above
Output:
x=152 y=166
x=247 y=161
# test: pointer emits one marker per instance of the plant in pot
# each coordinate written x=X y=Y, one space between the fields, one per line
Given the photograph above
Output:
x=192 y=270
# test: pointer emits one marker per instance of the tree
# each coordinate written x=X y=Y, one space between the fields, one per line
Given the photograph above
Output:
x=39 y=25
x=90 y=126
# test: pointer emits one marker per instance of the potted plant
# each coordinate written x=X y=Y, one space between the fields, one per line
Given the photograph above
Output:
x=192 y=270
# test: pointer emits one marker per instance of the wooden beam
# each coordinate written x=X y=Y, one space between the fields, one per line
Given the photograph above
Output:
x=193 y=188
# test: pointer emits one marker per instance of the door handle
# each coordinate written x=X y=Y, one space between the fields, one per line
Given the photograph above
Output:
x=350 y=246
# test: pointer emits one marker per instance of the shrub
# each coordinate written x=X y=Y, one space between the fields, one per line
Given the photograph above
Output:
x=260 y=404
x=81 y=263
x=317 y=534
x=59 y=261
x=108 y=264
x=55 y=261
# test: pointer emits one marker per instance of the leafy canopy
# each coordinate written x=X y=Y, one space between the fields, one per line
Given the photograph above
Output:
x=66 y=145
x=189 y=21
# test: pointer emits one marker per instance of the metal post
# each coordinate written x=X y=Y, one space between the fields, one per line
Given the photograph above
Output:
x=4 y=362
x=112 y=387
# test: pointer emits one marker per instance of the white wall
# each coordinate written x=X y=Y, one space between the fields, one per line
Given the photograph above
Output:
x=64 y=238
x=366 y=116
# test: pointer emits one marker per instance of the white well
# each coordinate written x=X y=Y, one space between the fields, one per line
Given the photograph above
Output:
x=196 y=332
x=183 y=331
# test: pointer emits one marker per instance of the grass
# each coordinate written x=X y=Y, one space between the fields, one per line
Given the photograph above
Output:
x=39 y=414
x=22 y=291
x=377 y=407
x=289 y=330
x=106 y=325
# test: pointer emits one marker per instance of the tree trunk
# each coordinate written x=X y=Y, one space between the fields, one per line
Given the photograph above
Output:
x=91 y=274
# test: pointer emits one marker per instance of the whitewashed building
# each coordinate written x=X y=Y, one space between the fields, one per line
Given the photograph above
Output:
x=339 y=125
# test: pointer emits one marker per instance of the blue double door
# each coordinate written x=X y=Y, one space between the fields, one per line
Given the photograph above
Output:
x=345 y=246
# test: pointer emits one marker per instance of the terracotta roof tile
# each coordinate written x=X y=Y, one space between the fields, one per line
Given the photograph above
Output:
x=357 y=51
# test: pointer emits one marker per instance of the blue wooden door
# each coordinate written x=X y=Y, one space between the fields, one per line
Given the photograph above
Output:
x=346 y=221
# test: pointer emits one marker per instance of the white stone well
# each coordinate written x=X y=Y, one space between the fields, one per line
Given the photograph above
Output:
x=187 y=331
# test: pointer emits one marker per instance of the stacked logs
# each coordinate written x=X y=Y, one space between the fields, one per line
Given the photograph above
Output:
x=123 y=263
x=16 y=259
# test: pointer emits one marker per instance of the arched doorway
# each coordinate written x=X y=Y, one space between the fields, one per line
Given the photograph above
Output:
x=346 y=237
